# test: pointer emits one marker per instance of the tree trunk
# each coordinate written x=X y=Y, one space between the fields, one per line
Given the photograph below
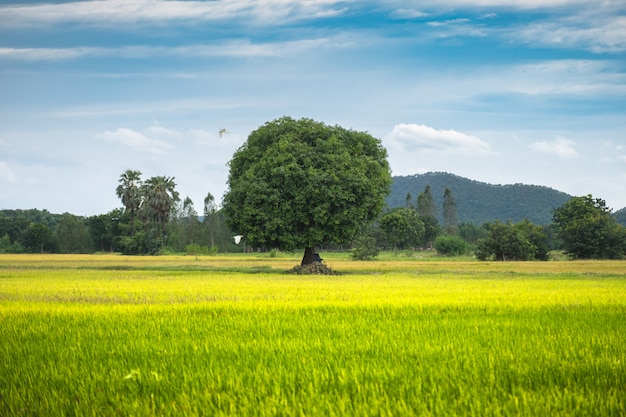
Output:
x=309 y=256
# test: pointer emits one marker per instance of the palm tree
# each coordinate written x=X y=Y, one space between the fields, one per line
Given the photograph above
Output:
x=159 y=195
x=129 y=192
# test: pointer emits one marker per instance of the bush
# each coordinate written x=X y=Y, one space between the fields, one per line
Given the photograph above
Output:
x=450 y=245
x=196 y=249
x=365 y=249
x=523 y=241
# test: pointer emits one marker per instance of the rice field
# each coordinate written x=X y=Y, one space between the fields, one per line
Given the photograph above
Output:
x=108 y=335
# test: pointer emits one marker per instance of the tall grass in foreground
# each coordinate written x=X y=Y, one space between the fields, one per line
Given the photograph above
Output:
x=78 y=340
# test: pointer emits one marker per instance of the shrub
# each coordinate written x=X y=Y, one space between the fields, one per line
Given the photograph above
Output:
x=196 y=249
x=450 y=245
x=365 y=249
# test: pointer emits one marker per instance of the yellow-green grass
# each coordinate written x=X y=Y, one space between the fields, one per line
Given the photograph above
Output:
x=234 y=335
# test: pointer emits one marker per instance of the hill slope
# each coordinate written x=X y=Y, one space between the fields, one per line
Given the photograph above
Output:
x=479 y=202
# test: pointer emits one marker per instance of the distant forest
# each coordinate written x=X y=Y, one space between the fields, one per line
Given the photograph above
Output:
x=476 y=204
x=479 y=202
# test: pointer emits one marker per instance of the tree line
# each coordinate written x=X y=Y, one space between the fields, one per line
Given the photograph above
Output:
x=583 y=228
x=154 y=219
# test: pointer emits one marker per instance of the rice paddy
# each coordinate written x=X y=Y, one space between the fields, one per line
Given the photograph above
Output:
x=233 y=335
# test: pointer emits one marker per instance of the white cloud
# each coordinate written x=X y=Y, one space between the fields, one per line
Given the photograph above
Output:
x=403 y=13
x=6 y=173
x=597 y=34
x=561 y=147
x=163 y=132
x=134 y=140
x=113 y=12
x=414 y=137
x=236 y=48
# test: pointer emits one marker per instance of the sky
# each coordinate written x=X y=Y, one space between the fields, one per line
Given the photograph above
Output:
x=498 y=91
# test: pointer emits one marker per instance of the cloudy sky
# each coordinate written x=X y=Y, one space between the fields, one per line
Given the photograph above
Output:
x=499 y=91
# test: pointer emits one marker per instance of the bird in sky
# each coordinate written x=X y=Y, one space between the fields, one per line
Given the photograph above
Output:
x=223 y=132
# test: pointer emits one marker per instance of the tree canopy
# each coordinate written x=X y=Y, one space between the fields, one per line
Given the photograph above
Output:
x=301 y=183
x=403 y=227
x=588 y=230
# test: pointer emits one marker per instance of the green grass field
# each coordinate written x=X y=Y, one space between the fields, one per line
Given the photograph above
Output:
x=233 y=335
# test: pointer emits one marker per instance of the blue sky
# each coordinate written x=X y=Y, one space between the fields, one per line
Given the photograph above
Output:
x=516 y=91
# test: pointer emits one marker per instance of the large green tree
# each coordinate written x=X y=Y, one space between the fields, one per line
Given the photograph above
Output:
x=588 y=230
x=301 y=184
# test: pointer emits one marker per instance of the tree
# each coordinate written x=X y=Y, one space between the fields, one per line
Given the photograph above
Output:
x=523 y=241
x=428 y=214
x=72 y=235
x=39 y=238
x=365 y=248
x=408 y=203
x=471 y=233
x=159 y=195
x=210 y=220
x=431 y=230
x=129 y=191
x=102 y=229
x=301 y=183
x=190 y=220
x=450 y=245
x=403 y=227
x=450 y=218
x=426 y=203
x=588 y=230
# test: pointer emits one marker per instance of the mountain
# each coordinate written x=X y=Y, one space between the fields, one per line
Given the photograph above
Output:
x=479 y=202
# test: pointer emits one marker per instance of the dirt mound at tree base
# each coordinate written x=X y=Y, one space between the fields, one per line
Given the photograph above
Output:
x=316 y=268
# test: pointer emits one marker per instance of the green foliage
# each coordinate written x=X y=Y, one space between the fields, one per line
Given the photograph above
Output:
x=72 y=235
x=129 y=191
x=365 y=248
x=620 y=216
x=158 y=198
x=471 y=232
x=450 y=216
x=513 y=242
x=196 y=249
x=431 y=230
x=403 y=227
x=426 y=203
x=301 y=183
x=22 y=236
x=6 y=246
x=450 y=245
x=39 y=238
x=588 y=231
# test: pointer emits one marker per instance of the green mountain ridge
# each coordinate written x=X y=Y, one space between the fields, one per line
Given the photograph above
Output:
x=479 y=202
